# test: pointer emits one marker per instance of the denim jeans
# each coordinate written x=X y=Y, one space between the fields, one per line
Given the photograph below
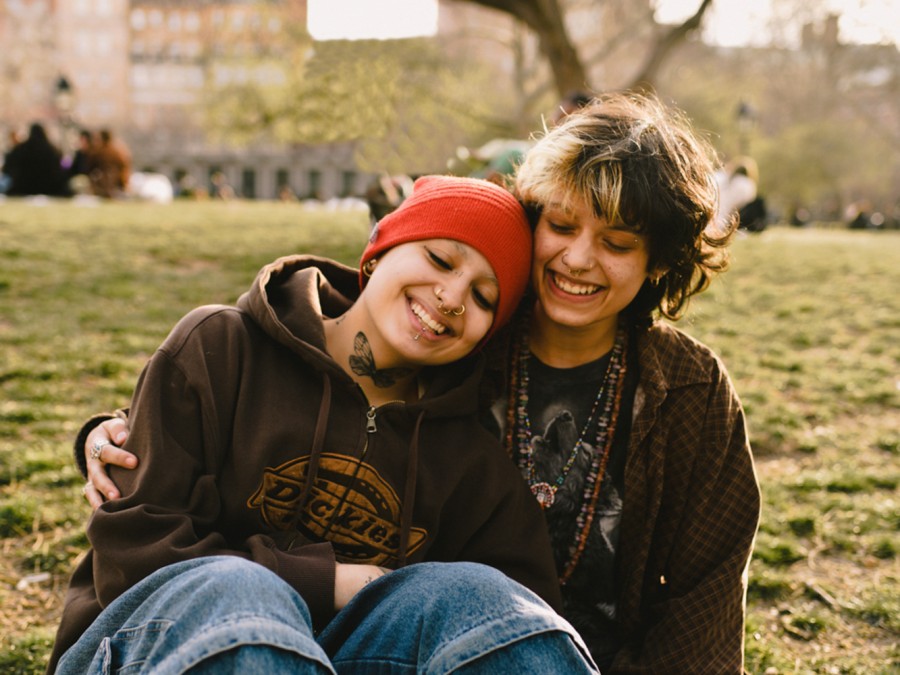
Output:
x=227 y=615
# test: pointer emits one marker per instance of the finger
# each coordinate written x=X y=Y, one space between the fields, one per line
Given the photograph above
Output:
x=95 y=442
x=94 y=498
x=116 y=430
x=100 y=448
x=113 y=455
x=100 y=483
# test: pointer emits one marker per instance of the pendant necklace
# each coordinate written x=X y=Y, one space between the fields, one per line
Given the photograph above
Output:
x=518 y=437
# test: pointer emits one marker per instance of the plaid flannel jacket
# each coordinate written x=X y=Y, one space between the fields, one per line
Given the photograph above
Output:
x=690 y=515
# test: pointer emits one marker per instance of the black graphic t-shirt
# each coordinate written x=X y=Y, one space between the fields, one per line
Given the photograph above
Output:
x=559 y=404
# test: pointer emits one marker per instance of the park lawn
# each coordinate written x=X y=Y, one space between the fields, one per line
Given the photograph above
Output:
x=807 y=321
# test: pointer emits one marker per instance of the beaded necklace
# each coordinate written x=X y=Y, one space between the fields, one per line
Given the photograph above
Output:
x=518 y=437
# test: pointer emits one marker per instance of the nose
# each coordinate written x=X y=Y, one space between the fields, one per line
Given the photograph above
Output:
x=580 y=253
x=451 y=297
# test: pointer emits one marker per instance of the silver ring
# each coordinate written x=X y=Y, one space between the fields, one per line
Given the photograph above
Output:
x=97 y=449
x=87 y=485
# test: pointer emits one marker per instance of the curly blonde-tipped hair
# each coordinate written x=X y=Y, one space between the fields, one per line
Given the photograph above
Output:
x=639 y=163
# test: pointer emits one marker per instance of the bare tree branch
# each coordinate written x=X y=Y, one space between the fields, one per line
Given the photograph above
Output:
x=546 y=19
x=647 y=76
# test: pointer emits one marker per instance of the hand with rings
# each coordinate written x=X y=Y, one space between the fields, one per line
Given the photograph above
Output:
x=102 y=449
x=458 y=311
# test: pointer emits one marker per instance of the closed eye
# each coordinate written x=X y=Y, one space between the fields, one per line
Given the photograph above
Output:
x=622 y=242
x=559 y=228
x=483 y=301
x=616 y=247
x=439 y=261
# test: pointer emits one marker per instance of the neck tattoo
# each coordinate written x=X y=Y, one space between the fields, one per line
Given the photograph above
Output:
x=362 y=362
x=518 y=437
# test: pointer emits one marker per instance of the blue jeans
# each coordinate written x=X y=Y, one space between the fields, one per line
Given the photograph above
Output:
x=227 y=615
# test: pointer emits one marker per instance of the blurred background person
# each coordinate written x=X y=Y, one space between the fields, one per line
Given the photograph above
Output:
x=34 y=167
x=13 y=139
x=737 y=182
x=80 y=166
x=110 y=167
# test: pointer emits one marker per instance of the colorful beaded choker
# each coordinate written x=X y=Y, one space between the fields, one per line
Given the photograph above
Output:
x=518 y=437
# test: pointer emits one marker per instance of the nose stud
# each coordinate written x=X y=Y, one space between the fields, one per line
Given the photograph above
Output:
x=446 y=311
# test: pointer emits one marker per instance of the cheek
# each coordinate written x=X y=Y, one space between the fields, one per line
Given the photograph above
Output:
x=543 y=254
x=628 y=272
x=478 y=323
x=546 y=244
x=478 y=328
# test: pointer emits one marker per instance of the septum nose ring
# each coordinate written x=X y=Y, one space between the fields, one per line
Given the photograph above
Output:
x=459 y=311
x=574 y=271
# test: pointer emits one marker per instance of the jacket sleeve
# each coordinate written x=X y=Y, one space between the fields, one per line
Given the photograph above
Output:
x=170 y=509
x=695 y=582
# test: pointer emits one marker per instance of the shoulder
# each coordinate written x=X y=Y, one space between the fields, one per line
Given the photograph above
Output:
x=670 y=361
x=208 y=323
x=677 y=356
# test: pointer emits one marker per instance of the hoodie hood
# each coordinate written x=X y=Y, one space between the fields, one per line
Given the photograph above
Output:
x=289 y=300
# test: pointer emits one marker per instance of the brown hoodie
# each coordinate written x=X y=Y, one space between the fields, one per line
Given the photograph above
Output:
x=253 y=442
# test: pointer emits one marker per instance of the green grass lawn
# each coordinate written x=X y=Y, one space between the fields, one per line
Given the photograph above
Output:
x=807 y=321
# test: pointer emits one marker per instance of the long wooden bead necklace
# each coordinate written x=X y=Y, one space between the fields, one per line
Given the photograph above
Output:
x=518 y=438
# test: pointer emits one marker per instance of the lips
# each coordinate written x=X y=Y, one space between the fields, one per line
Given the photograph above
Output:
x=428 y=322
x=573 y=288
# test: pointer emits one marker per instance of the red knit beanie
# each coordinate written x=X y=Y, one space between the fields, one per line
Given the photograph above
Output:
x=470 y=210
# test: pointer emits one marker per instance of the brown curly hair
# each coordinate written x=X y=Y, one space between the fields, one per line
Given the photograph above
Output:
x=639 y=163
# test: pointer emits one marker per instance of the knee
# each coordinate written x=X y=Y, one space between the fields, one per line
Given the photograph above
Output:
x=231 y=574
x=229 y=581
x=461 y=583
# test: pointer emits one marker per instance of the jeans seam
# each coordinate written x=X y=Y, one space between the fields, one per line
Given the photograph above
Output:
x=257 y=637
x=496 y=644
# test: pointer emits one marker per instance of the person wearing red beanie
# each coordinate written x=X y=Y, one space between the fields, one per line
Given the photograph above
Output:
x=310 y=467
x=469 y=210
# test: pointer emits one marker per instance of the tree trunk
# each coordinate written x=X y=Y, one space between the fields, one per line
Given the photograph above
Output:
x=545 y=18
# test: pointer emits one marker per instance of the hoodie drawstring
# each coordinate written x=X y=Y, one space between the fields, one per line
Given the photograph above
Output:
x=409 y=492
x=318 y=442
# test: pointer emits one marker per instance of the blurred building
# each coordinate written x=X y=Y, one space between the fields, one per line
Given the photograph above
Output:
x=178 y=52
x=142 y=67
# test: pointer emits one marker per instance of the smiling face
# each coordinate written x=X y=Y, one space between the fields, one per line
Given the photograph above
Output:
x=414 y=303
x=585 y=270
